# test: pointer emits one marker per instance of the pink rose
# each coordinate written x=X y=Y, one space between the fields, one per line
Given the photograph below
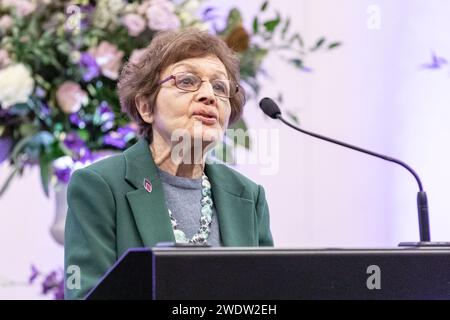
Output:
x=136 y=56
x=134 y=23
x=161 y=15
x=142 y=9
x=71 y=97
x=22 y=7
x=5 y=22
x=4 y=58
x=109 y=58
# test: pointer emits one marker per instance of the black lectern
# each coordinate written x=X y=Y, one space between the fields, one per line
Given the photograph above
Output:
x=269 y=273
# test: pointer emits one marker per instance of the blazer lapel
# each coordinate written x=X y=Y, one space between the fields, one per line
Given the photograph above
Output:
x=149 y=208
x=236 y=214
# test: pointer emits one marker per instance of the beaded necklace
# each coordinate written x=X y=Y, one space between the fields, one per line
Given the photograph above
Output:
x=204 y=231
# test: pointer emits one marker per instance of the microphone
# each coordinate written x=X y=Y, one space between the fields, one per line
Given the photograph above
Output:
x=270 y=108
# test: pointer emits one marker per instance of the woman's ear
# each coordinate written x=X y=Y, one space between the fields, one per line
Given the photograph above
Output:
x=143 y=108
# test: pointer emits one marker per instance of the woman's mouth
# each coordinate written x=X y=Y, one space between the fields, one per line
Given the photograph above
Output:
x=206 y=118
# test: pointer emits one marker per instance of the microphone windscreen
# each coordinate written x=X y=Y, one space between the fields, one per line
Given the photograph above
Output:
x=269 y=107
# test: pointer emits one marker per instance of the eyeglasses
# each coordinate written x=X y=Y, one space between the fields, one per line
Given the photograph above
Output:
x=190 y=82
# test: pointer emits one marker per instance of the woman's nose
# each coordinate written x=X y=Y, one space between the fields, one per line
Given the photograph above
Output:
x=206 y=93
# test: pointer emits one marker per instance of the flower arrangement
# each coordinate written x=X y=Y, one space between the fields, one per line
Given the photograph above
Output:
x=59 y=62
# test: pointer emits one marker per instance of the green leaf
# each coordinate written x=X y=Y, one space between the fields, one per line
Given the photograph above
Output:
x=334 y=45
x=319 y=43
x=91 y=89
x=299 y=39
x=84 y=134
x=255 y=25
x=44 y=163
x=234 y=19
x=42 y=82
x=28 y=129
x=8 y=181
x=272 y=24
x=64 y=48
x=264 y=6
x=285 y=28
x=18 y=148
x=297 y=62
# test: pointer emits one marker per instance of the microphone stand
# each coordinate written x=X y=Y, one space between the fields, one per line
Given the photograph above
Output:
x=422 y=202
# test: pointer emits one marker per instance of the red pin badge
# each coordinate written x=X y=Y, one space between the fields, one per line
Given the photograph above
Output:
x=148 y=185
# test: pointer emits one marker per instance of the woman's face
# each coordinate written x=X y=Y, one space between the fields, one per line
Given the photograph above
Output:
x=200 y=114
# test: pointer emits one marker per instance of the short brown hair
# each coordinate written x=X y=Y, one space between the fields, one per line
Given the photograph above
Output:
x=166 y=48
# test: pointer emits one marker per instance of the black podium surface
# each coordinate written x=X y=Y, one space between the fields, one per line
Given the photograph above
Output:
x=271 y=273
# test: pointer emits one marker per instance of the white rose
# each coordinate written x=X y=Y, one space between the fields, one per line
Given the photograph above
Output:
x=16 y=85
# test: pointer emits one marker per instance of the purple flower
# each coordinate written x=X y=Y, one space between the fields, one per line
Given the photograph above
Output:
x=59 y=290
x=39 y=92
x=34 y=274
x=45 y=109
x=86 y=12
x=5 y=148
x=4 y=113
x=209 y=14
x=62 y=168
x=106 y=116
x=120 y=137
x=436 y=62
x=63 y=175
x=114 y=139
x=50 y=282
x=104 y=108
x=211 y=17
x=74 y=142
x=75 y=119
x=85 y=155
x=90 y=67
x=78 y=147
x=128 y=132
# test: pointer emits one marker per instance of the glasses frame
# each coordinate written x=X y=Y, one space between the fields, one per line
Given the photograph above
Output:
x=174 y=77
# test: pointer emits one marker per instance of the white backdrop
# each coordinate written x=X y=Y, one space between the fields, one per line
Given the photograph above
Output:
x=370 y=92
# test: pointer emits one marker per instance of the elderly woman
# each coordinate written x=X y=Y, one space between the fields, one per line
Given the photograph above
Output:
x=182 y=93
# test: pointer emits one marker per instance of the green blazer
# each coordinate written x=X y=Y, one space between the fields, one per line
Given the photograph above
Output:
x=110 y=211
